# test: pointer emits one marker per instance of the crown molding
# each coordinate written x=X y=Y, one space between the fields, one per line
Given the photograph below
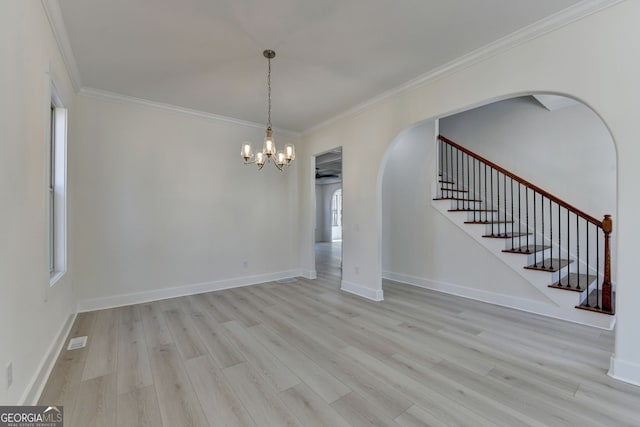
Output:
x=518 y=37
x=125 y=99
x=54 y=15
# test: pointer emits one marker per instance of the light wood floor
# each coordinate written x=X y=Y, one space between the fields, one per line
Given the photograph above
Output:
x=306 y=354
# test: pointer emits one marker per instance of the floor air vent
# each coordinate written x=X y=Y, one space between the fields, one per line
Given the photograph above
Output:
x=76 y=343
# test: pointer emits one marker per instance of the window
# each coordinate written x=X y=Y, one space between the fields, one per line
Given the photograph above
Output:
x=57 y=183
x=336 y=209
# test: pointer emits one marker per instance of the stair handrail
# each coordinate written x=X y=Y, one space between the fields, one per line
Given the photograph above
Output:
x=606 y=225
x=524 y=182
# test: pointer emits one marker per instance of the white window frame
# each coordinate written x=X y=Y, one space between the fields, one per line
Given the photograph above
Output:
x=57 y=187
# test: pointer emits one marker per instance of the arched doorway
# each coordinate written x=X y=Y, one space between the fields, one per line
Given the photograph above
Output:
x=556 y=143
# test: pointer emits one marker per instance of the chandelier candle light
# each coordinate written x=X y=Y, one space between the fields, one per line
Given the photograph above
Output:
x=280 y=158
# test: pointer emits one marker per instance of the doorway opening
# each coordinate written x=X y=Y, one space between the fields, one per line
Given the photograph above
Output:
x=328 y=230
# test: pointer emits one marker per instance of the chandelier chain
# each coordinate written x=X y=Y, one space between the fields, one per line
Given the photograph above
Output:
x=269 y=93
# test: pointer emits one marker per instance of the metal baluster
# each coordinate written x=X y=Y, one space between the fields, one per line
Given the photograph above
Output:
x=559 y=239
x=526 y=199
x=568 y=245
x=551 y=229
x=474 y=187
x=535 y=231
x=468 y=185
x=457 y=196
x=440 y=157
x=587 y=236
x=544 y=262
x=512 y=223
x=457 y=177
x=485 y=193
x=504 y=188
x=450 y=177
x=519 y=216
x=578 y=251
x=597 y=269
x=498 y=204
x=492 y=218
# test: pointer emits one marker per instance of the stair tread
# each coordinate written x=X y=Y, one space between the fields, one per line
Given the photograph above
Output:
x=446 y=182
x=571 y=281
x=527 y=250
x=488 y=222
x=549 y=264
x=504 y=235
x=591 y=305
x=451 y=189
x=457 y=199
x=473 y=210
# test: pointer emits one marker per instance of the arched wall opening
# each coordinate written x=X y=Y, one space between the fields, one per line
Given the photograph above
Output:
x=555 y=142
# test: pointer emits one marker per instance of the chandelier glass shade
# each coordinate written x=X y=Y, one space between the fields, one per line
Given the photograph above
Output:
x=269 y=151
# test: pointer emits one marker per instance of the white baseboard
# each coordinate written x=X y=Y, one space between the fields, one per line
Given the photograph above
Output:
x=624 y=370
x=582 y=317
x=198 y=288
x=39 y=380
x=361 y=291
x=309 y=274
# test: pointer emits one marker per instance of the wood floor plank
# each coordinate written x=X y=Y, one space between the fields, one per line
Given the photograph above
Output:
x=369 y=341
x=184 y=334
x=103 y=349
x=235 y=310
x=311 y=408
x=220 y=348
x=139 y=408
x=218 y=310
x=319 y=380
x=156 y=332
x=418 y=417
x=96 y=403
x=204 y=303
x=360 y=412
x=273 y=370
x=461 y=394
x=133 y=368
x=258 y=397
x=261 y=296
x=452 y=410
x=350 y=373
x=220 y=404
x=179 y=405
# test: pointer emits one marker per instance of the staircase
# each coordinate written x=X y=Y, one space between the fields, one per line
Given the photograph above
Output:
x=559 y=249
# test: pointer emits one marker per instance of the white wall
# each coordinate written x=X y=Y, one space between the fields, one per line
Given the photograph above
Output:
x=568 y=152
x=164 y=201
x=593 y=59
x=324 y=194
x=32 y=315
x=420 y=245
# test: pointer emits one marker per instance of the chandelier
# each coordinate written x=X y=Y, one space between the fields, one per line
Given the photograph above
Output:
x=269 y=151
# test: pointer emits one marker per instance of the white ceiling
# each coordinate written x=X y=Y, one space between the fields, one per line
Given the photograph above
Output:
x=331 y=54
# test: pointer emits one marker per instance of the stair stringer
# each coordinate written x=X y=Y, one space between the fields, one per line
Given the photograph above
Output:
x=561 y=303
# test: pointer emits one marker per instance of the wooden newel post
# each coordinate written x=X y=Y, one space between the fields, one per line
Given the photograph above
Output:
x=607 y=227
